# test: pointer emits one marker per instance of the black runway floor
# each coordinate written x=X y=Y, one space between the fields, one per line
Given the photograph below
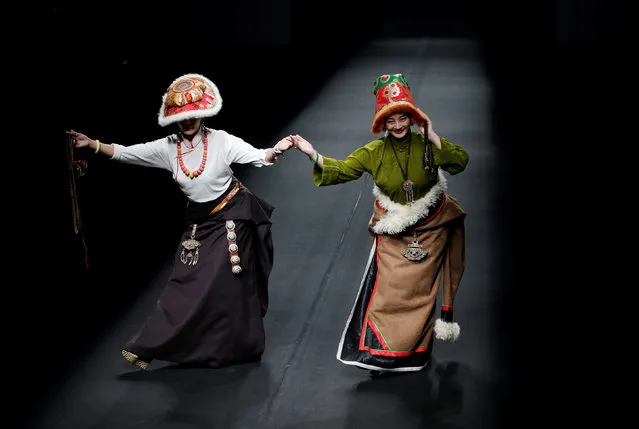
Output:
x=321 y=246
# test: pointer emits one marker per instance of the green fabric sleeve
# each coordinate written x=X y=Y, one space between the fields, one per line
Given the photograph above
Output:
x=340 y=171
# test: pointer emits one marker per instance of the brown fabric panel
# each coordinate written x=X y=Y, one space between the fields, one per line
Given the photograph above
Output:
x=406 y=292
x=455 y=260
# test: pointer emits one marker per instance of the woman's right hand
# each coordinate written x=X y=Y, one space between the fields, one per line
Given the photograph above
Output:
x=79 y=139
x=303 y=145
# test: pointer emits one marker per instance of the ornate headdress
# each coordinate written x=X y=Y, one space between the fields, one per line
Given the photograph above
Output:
x=189 y=96
x=392 y=95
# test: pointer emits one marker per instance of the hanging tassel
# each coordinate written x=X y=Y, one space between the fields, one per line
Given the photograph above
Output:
x=429 y=160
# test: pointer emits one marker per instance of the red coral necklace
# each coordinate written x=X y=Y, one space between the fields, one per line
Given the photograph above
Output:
x=189 y=173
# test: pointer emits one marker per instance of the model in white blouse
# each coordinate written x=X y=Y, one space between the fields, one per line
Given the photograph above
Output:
x=223 y=149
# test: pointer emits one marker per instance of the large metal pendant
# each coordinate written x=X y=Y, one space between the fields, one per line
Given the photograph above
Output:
x=190 y=252
x=414 y=251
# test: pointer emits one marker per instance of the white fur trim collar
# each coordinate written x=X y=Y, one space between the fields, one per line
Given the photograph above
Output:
x=398 y=217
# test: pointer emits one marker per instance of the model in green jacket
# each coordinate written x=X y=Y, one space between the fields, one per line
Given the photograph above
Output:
x=418 y=233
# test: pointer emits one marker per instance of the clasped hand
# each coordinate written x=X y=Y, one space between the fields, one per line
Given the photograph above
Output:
x=303 y=145
x=298 y=141
x=285 y=144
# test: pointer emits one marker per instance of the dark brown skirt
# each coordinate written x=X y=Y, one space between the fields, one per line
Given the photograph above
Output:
x=207 y=315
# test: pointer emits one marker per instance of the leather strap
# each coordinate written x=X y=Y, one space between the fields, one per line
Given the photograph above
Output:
x=226 y=199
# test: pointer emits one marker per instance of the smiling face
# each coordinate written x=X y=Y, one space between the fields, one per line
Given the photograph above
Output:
x=398 y=125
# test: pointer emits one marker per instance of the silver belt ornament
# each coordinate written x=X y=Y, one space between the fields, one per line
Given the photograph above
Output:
x=190 y=249
x=414 y=251
x=231 y=236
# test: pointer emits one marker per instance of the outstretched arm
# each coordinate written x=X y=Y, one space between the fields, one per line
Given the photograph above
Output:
x=280 y=147
x=331 y=171
x=82 y=140
x=304 y=146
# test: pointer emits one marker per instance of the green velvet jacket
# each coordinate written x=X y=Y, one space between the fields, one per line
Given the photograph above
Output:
x=377 y=159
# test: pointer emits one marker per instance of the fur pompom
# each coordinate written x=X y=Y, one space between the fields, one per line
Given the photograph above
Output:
x=446 y=331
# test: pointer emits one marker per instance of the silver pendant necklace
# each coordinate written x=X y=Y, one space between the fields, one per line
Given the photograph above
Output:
x=408 y=185
x=414 y=251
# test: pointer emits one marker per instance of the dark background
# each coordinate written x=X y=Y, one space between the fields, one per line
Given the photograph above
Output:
x=102 y=69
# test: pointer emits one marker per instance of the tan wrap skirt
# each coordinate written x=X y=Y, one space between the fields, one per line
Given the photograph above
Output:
x=392 y=320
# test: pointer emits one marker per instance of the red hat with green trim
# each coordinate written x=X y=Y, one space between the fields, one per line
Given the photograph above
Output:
x=189 y=96
x=392 y=95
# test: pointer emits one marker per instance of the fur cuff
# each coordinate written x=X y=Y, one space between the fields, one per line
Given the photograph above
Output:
x=446 y=331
